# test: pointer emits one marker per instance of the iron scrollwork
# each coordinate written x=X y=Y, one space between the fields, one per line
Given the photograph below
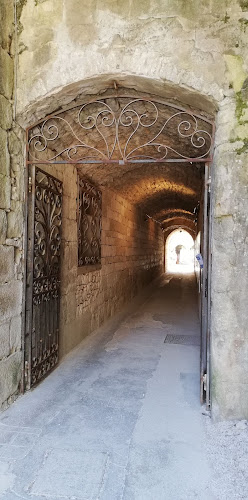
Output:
x=89 y=223
x=122 y=129
x=46 y=274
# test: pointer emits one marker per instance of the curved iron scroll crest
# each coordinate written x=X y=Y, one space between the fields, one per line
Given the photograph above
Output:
x=121 y=130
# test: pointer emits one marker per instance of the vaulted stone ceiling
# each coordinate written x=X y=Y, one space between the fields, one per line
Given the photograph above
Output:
x=165 y=192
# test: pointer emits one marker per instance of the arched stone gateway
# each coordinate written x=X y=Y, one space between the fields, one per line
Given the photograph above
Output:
x=59 y=56
x=131 y=137
x=139 y=149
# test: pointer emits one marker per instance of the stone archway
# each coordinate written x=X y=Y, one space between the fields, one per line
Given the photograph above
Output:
x=145 y=157
x=134 y=131
x=55 y=64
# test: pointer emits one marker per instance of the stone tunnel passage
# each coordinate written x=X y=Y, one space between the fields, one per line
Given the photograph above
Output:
x=141 y=204
x=120 y=417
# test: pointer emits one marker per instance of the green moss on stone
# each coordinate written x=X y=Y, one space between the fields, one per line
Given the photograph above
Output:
x=241 y=106
x=19 y=7
x=243 y=4
x=241 y=115
x=236 y=72
x=37 y=2
x=226 y=18
x=244 y=148
x=243 y=23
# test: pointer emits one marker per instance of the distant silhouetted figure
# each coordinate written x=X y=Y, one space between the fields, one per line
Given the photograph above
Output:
x=178 y=251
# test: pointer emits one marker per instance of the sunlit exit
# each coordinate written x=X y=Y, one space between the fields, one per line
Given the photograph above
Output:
x=179 y=252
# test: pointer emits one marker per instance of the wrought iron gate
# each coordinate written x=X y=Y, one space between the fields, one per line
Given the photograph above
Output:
x=43 y=275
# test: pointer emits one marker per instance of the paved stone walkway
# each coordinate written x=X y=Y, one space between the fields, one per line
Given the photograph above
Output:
x=120 y=417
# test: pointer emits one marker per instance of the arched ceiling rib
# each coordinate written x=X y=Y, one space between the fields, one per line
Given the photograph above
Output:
x=177 y=223
x=171 y=229
x=168 y=213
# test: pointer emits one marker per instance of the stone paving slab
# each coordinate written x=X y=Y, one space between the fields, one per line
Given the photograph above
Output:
x=67 y=473
x=119 y=419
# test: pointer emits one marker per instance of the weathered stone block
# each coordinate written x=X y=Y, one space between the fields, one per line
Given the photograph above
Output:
x=10 y=300
x=17 y=185
x=10 y=375
x=14 y=143
x=6 y=74
x=69 y=230
x=3 y=226
x=15 y=333
x=6 y=263
x=15 y=162
x=15 y=221
x=4 y=340
x=5 y=113
x=4 y=154
x=7 y=23
x=5 y=191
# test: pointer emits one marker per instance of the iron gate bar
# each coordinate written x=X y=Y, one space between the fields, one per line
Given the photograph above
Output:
x=119 y=162
x=107 y=117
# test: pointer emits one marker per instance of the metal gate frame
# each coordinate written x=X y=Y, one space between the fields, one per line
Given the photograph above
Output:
x=206 y=293
x=42 y=275
x=184 y=130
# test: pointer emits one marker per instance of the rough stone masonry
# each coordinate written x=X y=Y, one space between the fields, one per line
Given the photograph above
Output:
x=54 y=52
x=11 y=218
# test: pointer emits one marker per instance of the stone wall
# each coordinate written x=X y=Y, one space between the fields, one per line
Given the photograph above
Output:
x=11 y=219
x=230 y=261
x=76 y=48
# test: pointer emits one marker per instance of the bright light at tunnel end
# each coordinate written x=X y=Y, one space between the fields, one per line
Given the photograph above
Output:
x=179 y=252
